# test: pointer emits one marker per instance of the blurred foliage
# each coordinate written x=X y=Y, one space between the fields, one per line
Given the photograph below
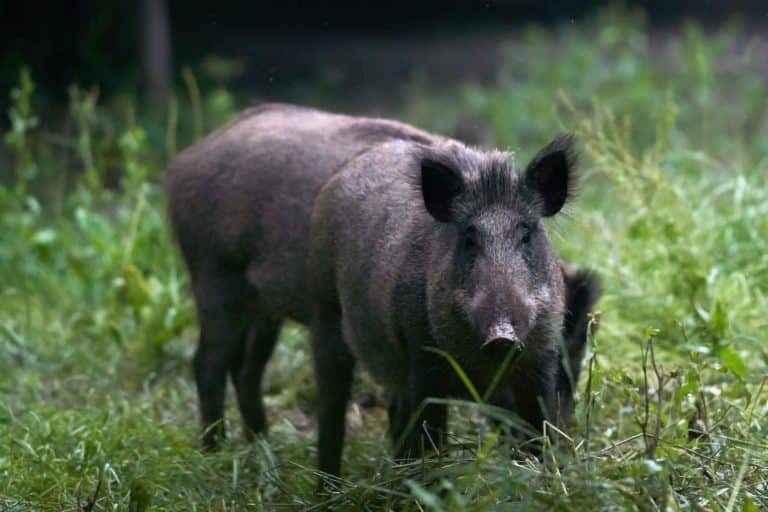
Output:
x=97 y=323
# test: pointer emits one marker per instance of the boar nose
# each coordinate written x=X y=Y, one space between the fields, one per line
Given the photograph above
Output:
x=501 y=337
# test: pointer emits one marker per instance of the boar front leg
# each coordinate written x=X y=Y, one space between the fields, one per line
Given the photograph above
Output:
x=334 y=368
x=534 y=401
x=398 y=412
x=427 y=379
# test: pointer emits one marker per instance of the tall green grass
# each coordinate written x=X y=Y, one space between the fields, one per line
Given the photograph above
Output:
x=97 y=324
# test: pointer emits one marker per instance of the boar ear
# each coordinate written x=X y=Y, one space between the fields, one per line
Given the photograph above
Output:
x=440 y=185
x=551 y=175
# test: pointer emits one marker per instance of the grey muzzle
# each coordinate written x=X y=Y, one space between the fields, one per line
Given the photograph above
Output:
x=501 y=337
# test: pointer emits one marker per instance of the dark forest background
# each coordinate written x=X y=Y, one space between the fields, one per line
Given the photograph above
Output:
x=265 y=49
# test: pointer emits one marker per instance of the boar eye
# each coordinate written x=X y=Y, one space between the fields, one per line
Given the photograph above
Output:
x=470 y=240
x=526 y=229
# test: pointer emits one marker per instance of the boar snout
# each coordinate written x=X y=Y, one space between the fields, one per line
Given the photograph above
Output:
x=500 y=338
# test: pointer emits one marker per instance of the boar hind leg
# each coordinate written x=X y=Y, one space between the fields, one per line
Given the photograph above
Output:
x=334 y=367
x=247 y=372
x=221 y=305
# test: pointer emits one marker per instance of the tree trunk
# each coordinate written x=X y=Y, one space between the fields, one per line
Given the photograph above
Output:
x=156 y=50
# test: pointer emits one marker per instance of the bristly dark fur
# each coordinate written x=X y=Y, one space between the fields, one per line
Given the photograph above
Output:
x=492 y=177
x=494 y=181
x=487 y=177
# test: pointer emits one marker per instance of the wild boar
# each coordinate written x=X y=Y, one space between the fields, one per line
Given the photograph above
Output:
x=239 y=204
x=416 y=246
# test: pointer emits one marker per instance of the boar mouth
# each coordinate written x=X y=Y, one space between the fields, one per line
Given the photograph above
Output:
x=501 y=338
